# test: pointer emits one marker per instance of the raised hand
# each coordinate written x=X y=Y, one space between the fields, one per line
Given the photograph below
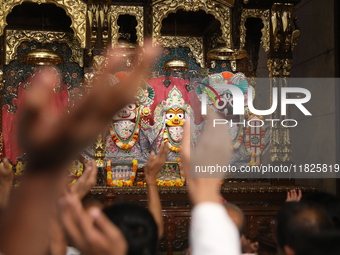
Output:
x=213 y=149
x=87 y=180
x=90 y=231
x=51 y=139
x=6 y=182
x=152 y=168
x=293 y=196
x=155 y=163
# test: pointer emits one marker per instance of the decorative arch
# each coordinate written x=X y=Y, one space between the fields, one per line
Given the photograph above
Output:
x=75 y=9
x=218 y=8
x=262 y=14
x=136 y=11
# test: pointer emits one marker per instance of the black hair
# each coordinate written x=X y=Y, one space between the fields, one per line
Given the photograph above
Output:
x=137 y=225
x=329 y=202
x=307 y=229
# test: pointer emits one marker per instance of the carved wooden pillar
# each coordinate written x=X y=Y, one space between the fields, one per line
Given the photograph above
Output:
x=283 y=38
x=1 y=88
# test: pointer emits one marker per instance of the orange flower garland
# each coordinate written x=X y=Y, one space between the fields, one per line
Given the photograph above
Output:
x=122 y=145
x=179 y=161
x=177 y=182
x=239 y=141
x=121 y=182
x=168 y=183
x=167 y=140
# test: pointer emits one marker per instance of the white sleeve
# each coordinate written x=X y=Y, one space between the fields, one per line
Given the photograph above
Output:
x=212 y=231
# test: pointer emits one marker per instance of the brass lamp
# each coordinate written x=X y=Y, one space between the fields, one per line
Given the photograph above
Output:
x=125 y=49
x=42 y=57
x=176 y=64
x=221 y=52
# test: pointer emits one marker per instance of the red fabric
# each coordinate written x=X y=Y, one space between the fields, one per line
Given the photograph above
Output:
x=161 y=93
x=11 y=149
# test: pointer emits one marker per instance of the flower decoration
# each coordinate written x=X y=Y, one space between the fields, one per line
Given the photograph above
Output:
x=170 y=183
x=121 y=182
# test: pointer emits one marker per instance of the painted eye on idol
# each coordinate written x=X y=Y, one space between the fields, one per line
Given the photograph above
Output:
x=170 y=116
x=131 y=106
x=220 y=104
x=180 y=115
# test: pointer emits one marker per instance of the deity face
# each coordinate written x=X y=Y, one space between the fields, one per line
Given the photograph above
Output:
x=127 y=113
x=175 y=117
x=224 y=105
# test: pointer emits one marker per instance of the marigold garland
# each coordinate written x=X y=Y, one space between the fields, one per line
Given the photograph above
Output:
x=167 y=140
x=239 y=141
x=168 y=183
x=121 y=182
x=124 y=145
x=179 y=161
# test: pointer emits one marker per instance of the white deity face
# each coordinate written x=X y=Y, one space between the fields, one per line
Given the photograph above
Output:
x=129 y=112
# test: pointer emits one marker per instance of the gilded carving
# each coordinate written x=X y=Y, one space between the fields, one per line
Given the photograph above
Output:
x=279 y=70
x=76 y=10
x=93 y=15
x=284 y=29
x=1 y=80
x=195 y=44
x=15 y=37
x=136 y=11
x=242 y=188
x=256 y=13
x=99 y=148
x=219 y=9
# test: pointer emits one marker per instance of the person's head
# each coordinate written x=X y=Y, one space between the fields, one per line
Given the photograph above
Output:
x=330 y=203
x=236 y=215
x=303 y=228
x=137 y=225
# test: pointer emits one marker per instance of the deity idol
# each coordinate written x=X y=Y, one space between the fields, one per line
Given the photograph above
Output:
x=128 y=140
x=248 y=143
x=169 y=118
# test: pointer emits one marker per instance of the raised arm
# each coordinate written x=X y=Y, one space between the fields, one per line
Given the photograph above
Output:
x=51 y=140
x=212 y=230
x=6 y=183
x=152 y=168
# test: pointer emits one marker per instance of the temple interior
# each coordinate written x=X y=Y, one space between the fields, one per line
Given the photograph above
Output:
x=259 y=46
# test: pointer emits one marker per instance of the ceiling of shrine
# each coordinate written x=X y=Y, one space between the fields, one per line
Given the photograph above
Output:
x=184 y=23
x=32 y=16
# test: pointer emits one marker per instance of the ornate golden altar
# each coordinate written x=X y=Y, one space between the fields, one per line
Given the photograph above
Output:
x=212 y=36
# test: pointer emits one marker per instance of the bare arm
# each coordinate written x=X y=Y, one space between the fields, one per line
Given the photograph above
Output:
x=87 y=180
x=89 y=231
x=6 y=180
x=51 y=140
x=152 y=168
x=212 y=230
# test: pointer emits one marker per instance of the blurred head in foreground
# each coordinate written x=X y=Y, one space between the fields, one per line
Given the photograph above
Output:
x=304 y=228
x=137 y=225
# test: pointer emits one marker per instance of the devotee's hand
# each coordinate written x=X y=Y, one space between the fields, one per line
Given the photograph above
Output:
x=293 y=196
x=6 y=182
x=212 y=149
x=155 y=163
x=87 y=180
x=51 y=139
x=248 y=246
x=90 y=231
x=152 y=168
